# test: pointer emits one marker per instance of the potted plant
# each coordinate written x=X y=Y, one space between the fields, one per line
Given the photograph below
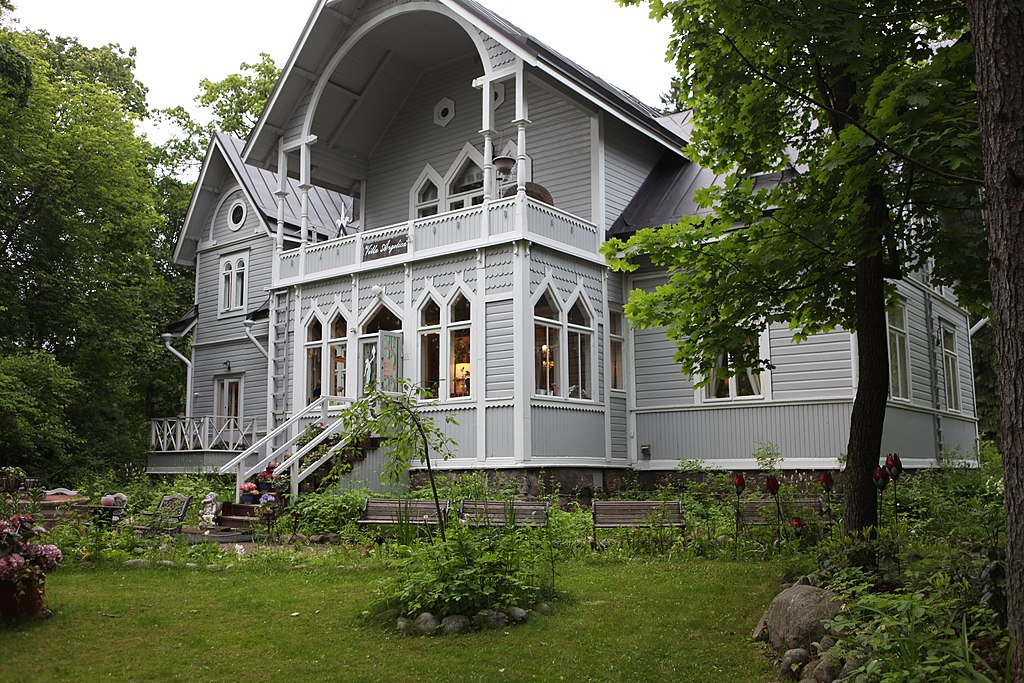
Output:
x=248 y=491
x=11 y=478
x=265 y=479
x=23 y=566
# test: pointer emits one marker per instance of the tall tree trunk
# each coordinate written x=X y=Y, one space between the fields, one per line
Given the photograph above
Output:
x=868 y=417
x=997 y=29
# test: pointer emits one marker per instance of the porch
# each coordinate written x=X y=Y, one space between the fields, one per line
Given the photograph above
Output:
x=200 y=443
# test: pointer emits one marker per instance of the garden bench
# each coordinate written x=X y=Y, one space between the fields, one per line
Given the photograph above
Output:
x=168 y=516
x=504 y=512
x=762 y=512
x=402 y=511
x=615 y=514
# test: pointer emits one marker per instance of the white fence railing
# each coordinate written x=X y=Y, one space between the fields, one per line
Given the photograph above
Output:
x=208 y=433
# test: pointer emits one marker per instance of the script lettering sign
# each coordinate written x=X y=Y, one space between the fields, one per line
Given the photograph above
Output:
x=388 y=246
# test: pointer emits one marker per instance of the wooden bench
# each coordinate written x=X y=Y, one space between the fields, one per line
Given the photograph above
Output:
x=615 y=514
x=762 y=511
x=168 y=516
x=402 y=511
x=504 y=512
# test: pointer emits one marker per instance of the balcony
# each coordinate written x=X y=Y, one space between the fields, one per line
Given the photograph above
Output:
x=496 y=222
x=209 y=433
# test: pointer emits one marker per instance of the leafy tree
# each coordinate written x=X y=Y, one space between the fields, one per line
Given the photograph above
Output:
x=78 y=235
x=35 y=393
x=998 y=34
x=869 y=116
x=238 y=99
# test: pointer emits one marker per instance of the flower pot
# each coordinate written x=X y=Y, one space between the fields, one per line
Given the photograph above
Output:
x=24 y=600
x=249 y=498
x=265 y=485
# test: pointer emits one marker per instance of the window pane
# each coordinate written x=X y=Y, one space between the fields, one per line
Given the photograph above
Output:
x=545 y=360
x=545 y=308
x=315 y=331
x=430 y=362
x=615 y=323
x=748 y=383
x=338 y=360
x=471 y=178
x=425 y=211
x=240 y=286
x=578 y=315
x=428 y=193
x=225 y=299
x=338 y=330
x=719 y=385
x=431 y=314
x=314 y=370
x=579 y=364
x=383 y=320
x=460 y=366
x=616 y=364
x=460 y=309
x=368 y=358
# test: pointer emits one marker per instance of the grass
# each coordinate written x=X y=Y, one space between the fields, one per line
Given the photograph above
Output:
x=656 y=620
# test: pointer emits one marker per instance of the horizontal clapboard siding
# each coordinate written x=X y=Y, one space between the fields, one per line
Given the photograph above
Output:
x=657 y=377
x=619 y=426
x=820 y=367
x=628 y=162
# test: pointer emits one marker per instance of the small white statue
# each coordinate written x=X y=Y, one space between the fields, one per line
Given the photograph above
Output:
x=210 y=507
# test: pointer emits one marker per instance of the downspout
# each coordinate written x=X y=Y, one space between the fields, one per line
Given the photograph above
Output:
x=975 y=327
x=188 y=372
x=248 y=322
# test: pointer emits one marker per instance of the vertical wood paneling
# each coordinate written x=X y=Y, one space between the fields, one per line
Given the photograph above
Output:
x=500 y=347
x=500 y=435
x=565 y=433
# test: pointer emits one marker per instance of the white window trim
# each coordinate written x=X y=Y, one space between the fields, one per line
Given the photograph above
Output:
x=906 y=350
x=700 y=396
x=467 y=153
x=232 y=226
x=946 y=326
x=621 y=339
x=450 y=326
x=219 y=381
x=590 y=332
x=233 y=308
x=422 y=330
x=428 y=173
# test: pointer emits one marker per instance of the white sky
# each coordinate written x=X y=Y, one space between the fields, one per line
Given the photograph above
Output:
x=179 y=43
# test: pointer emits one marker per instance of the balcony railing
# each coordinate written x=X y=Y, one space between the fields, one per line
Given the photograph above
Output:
x=497 y=221
x=209 y=433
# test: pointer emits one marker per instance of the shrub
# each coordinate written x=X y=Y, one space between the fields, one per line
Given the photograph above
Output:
x=325 y=513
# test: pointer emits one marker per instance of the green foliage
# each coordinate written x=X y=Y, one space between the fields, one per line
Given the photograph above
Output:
x=237 y=100
x=475 y=569
x=474 y=485
x=325 y=513
x=35 y=392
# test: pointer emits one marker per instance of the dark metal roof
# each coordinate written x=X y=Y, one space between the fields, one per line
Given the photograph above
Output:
x=183 y=324
x=665 y=197
x=261 y=312
x=325 y=206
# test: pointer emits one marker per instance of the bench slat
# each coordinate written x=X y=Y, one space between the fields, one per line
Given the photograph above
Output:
x=611 y=514
x=399 y=511
x=500 y=512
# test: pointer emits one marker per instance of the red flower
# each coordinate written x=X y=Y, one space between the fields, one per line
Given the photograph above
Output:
x=740 y=483
x=796 y=523
x=894 y=466
x=881 y=478
x=772 y=484
x=827 y=482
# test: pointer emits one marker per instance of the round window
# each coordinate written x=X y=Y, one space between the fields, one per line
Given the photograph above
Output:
x=236 y=216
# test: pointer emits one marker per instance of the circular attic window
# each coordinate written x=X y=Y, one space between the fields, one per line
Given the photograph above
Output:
x=236 y=216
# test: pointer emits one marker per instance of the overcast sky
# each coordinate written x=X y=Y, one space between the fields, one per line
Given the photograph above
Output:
x=181 y=42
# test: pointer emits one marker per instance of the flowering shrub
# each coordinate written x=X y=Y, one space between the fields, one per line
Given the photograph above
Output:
x=22 y=559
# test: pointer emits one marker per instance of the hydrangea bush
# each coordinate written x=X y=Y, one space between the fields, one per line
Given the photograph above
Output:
x=23 y=560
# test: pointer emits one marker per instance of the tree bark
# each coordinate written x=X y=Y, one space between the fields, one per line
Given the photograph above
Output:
x=868 y=417
x=997 y=32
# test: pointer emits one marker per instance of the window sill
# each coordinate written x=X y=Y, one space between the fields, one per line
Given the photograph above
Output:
x=231 y=313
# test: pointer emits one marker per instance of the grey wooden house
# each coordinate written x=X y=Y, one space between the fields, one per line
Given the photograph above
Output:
x=424 y=198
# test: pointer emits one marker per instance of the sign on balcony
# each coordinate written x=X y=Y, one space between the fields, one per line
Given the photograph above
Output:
x=387 y=246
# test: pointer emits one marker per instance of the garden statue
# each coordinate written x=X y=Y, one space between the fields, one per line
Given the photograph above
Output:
x=208 y=511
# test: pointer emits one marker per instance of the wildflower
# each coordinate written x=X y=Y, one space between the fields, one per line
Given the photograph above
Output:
x=796 y=523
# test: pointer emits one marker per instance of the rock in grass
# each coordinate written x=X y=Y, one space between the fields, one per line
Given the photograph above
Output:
x=828 y=668
x=455 y=623
x=191 y=565
x=403 y=625
x=165 y=563
x=516 y=614
x=489 y=619
x=542 y=608
x=795 y=617
x=426 y=624
x=793 y=663
x=136 y=563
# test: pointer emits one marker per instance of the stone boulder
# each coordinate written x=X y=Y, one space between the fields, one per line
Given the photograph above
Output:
x=490 y=619
x=455 y=623
x=426 y=624
x=793 y=663
x=794 y=619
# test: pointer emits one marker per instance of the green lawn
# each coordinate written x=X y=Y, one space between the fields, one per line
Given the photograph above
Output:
x=636 y=621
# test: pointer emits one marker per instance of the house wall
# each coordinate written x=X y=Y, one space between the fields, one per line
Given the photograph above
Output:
x=629 y=159
x=220 y=338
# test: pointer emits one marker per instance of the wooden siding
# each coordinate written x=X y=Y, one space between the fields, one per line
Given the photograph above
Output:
x=820 y=367
x=566 y=274
x=499 y=268
x=463 y=432
x=558 y=142
x=498 y=54
x=501 y=436
x=619 y=427
x=499 y=349
x=444 y=274
x=801 y=431
x=657 y=377
x=567 y=433
x=246 y=361
x=413 y=140
x=629 y=159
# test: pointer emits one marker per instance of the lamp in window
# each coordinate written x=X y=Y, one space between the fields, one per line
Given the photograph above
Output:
x=462 y=377
x=503 y=165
